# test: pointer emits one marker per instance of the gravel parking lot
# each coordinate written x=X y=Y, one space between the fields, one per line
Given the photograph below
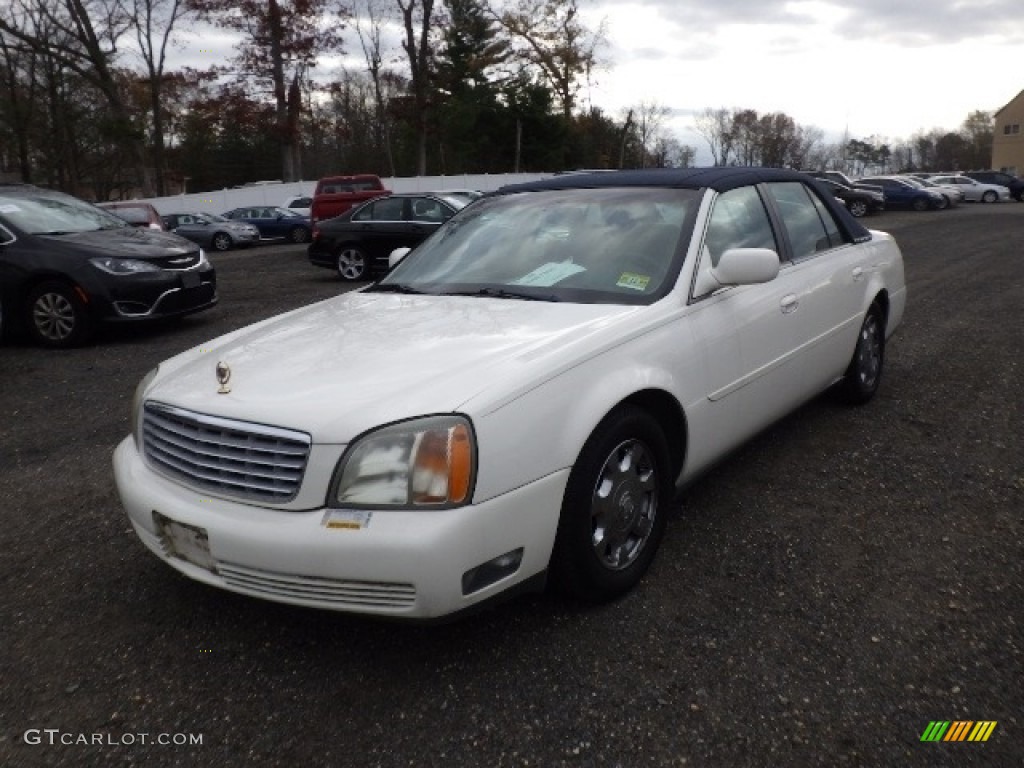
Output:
x=848 y=577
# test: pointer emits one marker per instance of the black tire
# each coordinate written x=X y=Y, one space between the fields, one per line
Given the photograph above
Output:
x=298 y=235
x=919 y=204
x=989 y=196
x=615 y=508
x=352 y=264
x=858 y=208
x=56 y=317
x=943 y=205
x=864 y=374
x=221 y=241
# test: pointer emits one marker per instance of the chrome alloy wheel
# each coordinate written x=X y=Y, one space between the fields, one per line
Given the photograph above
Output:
x=54 y=316
x=351 y=264
x=624 y=505
x=868 y=360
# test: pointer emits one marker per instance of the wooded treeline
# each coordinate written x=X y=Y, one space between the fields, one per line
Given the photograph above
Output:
x=91 y=103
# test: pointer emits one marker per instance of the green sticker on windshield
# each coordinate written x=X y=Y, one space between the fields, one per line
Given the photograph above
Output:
x=633 y=281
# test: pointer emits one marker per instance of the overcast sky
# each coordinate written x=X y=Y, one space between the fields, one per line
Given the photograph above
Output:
x=888 y=68
x=885 y=68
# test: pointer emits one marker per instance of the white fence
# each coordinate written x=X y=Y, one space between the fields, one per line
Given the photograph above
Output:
x=276 y=193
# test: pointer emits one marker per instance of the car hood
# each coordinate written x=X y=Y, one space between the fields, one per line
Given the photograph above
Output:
x=126 y=243
x=340 y=367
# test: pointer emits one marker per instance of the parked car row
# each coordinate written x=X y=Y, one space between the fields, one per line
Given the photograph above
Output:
x=920 y=191
x=236 y=228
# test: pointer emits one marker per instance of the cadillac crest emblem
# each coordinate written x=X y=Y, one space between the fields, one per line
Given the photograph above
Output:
x=223 y=377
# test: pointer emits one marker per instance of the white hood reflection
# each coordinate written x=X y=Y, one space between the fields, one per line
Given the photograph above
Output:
x=385 y=357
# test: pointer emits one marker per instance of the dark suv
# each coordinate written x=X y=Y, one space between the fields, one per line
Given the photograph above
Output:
x=1014 y=183
x=66 y=265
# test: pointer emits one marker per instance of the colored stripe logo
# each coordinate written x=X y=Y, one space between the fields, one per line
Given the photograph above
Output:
x=958 y=730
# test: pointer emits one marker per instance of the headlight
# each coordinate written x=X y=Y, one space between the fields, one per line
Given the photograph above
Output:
x=137 y=398
x=123 y=266
x=424 y=463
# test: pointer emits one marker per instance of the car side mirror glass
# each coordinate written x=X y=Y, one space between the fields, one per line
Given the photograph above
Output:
x=6 y=236
x=396 y=256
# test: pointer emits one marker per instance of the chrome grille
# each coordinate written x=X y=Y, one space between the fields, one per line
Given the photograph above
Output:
x=236 y=458
x=327 y=592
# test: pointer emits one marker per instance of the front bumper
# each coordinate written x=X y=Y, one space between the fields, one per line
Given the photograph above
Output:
x=149 y=296
x=406 y=564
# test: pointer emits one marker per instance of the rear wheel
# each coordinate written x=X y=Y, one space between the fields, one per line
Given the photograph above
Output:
x=56 y=316
x=299 y=234
x=221 y=241
x=919 y=204
x=858 y=208
x=864 y=374
x=615 y=507
x=352 y=264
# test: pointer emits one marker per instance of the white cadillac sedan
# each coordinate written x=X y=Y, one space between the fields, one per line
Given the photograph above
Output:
x=518 y=402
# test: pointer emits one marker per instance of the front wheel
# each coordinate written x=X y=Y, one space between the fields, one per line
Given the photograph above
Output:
x=221 y=241
x=920 y=204
x=863 y=375
x=615 y=507
x=56 y=316
x=989 y=196
x=352 y=264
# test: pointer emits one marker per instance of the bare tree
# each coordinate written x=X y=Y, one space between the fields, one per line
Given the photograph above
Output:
x=556 y=42
x=416 y=21
x=282 y=39
x=715 y=126
x=649 y=121
x=370 y=40
x=154 y=21
x=83 y=36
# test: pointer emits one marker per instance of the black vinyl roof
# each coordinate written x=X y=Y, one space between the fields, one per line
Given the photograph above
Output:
x=720 y=179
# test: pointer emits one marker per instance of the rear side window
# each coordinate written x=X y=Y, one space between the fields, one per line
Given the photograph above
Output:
x=384 y=209
x=809 y=225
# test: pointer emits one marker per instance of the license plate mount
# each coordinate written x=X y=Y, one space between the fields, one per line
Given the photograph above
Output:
x=185 y=542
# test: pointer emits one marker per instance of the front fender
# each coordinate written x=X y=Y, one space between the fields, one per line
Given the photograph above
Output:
x=544 y=429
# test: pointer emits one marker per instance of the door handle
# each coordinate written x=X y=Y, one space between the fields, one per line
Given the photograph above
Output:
x=789 y=303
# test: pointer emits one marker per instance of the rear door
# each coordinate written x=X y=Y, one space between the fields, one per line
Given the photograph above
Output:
x=382 y=226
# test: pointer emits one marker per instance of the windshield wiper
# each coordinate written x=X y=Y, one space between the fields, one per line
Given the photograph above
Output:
x=504 y=293
x=393 y=288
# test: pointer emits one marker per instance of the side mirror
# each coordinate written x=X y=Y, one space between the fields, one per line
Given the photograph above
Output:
x=739 y=266
x=396 y=256
x=746 y=266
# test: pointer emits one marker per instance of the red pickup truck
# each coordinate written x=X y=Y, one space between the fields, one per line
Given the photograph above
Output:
x=336 y=194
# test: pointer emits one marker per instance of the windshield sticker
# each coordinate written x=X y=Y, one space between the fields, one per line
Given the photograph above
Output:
x=347 y=519
x=550 y=273
x=9 y=209
x=633 y=281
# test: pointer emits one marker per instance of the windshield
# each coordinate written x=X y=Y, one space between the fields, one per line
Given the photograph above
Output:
x=54 y=213
x=610 y=245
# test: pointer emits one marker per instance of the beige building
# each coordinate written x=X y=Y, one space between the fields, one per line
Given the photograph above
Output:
x=1008 y=137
